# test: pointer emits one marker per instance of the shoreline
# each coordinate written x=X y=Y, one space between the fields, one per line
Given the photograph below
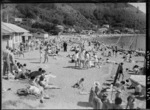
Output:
x=102 y=35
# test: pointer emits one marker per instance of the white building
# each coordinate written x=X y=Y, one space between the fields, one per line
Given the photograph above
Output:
x=12 y=35
x=106 y=26
x=18 y=19
x=40 y=35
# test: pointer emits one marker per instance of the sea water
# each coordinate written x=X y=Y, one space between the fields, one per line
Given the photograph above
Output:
x=134 y=42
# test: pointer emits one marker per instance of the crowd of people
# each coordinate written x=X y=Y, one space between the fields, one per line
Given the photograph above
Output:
x=84 y=57
x=100 y=99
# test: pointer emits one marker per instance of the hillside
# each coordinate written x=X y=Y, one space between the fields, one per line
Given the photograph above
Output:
x=78 y=15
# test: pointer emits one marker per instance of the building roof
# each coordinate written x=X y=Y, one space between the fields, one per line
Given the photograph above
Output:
x=5 y=32
x=102 y=29
x=27 y=34
x=12 y=28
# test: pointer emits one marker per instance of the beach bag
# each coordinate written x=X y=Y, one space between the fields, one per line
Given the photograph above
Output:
x=22 y=92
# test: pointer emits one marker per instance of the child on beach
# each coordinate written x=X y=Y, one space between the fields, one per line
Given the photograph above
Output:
x=131 y=102
x=82 y=58
x=118 y=102
x=46 y=55
x=79 y=84
x=87 y=59
x=76 y=58
x=95 y=59
x=41 y=53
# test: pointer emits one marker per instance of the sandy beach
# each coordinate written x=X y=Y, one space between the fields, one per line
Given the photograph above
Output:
x=66 y=75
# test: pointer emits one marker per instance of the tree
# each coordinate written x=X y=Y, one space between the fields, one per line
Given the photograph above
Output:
x=69 y=21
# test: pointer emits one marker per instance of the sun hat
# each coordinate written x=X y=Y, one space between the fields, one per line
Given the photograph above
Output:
x=96 y=83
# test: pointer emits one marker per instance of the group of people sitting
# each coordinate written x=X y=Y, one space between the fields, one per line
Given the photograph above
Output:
x=136 y=70
x=99 y=98
x=39 y=81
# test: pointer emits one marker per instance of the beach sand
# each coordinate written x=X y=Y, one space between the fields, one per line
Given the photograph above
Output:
x=66 y=76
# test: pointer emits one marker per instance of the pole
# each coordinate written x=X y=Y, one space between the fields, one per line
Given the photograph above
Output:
x=135 y=26
x=7 y=18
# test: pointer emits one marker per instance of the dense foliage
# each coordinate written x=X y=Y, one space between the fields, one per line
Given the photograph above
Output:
x=81 y=16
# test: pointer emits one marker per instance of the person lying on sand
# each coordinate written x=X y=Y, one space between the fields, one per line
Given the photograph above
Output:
x=110 y=61
x=71 y=57
x=79 y=84
x=73 y=48
x=136 y=69
x=44 y=82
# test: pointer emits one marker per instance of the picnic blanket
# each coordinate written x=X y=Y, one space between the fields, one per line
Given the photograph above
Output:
x=138 y=79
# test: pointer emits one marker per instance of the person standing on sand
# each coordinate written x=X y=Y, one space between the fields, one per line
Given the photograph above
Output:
x=65 y=46
x=113 y=50
x=5 y=61
x=87 y=59
x=120 y=71
x=41 y=53
x=46 y=55
x=95 y=59
x=11 y=61
x=76 y=58
x=82 y=58
x=116 y=51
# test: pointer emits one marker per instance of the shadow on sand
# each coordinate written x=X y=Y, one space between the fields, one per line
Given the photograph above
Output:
x=35 y=62
x=72 y=67
x=84 y=104
x=110 y=80
x=132 y=73
x=26 y=58
x=140 y=98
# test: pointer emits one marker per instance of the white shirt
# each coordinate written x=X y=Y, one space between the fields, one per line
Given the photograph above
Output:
x=35 y=90
x=76 y=56
x=87 y=56
x=95 y=57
